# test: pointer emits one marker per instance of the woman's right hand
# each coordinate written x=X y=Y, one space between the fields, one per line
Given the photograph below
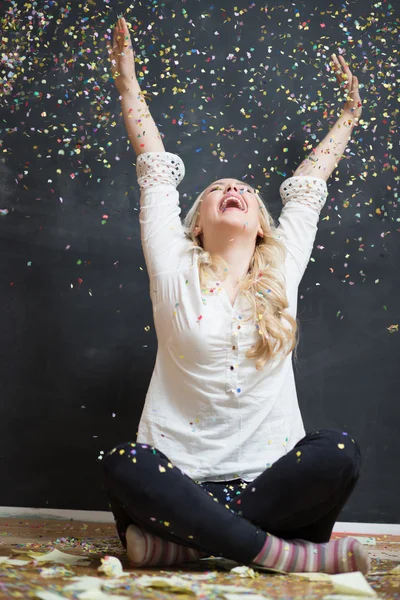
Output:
x=122 y=58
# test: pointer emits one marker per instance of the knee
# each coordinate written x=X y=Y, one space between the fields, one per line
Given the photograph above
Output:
x=122 y=452
x=141 y=456
x=113 y=457
x=344 y=446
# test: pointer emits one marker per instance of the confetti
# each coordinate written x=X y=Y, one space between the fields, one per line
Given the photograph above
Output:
x=237 y=110
x=111 y=567
x=59 y=557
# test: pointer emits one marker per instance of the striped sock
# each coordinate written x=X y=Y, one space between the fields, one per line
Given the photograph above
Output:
x=297 y=556
x=148 y=550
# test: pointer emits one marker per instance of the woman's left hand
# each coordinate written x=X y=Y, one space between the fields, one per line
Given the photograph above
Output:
x=353 y=104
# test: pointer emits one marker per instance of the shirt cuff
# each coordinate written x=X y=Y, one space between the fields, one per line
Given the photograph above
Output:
x=307 y=190
x=159 y=168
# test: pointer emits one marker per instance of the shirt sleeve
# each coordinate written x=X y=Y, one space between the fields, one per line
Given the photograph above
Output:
x=163 y=239
x=303 y=198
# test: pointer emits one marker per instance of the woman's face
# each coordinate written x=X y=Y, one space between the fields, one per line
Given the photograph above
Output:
x=229 y=206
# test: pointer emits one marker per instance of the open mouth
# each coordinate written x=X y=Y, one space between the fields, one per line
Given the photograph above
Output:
x=232 y=203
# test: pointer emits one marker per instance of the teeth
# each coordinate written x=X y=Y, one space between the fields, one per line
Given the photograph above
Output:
x=239 y=201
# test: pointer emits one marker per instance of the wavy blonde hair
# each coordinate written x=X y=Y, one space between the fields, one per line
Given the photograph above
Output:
x=264 y=285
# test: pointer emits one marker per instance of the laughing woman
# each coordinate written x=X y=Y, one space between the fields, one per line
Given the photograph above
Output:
x=221 y=464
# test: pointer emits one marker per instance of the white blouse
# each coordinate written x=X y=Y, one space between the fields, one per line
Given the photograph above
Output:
x=207 y=407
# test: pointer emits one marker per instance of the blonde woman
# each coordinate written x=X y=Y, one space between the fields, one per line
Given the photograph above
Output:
x=221 y=465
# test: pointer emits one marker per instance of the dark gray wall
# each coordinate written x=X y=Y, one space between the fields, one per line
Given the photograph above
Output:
x=76 y=355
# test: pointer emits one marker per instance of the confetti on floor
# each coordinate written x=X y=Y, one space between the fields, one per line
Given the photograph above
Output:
x=208 y=578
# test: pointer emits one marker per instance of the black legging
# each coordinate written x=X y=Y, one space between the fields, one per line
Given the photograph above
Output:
x=299 y=497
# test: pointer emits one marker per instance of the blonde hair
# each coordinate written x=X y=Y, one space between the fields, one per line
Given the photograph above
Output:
x=264 y=286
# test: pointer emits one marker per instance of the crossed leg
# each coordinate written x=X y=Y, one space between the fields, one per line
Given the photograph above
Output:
x=151 y=494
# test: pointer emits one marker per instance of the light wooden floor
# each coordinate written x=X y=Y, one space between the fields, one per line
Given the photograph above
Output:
x=17 y=536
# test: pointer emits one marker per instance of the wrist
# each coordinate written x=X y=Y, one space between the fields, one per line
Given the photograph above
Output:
x=349 y=119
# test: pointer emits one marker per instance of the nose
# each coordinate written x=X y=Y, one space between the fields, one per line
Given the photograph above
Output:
x=231 y=186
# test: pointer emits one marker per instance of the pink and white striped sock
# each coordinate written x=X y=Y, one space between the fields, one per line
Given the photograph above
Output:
x=337 y=556
x=148 y=550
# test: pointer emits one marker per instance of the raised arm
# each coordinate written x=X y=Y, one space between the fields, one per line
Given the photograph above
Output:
x=304 y=194
x=165 y=246
x=326 y=156
x=142 y=130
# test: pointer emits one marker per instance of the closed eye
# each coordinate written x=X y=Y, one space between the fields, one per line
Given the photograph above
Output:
x=245 y=189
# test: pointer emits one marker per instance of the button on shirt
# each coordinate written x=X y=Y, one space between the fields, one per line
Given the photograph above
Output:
x=208 y=408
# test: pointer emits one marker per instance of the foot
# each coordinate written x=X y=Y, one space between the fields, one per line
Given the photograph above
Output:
x=147 y=550
x=337 y=556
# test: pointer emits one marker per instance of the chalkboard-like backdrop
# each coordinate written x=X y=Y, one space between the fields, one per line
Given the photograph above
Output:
x=240 y=89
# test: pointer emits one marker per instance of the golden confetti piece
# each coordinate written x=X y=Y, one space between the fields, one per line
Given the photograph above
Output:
x=161 y=469
x=122 y=451
x=341 y=446
x=166 y=523
x=169 y=465
x=298 y=453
